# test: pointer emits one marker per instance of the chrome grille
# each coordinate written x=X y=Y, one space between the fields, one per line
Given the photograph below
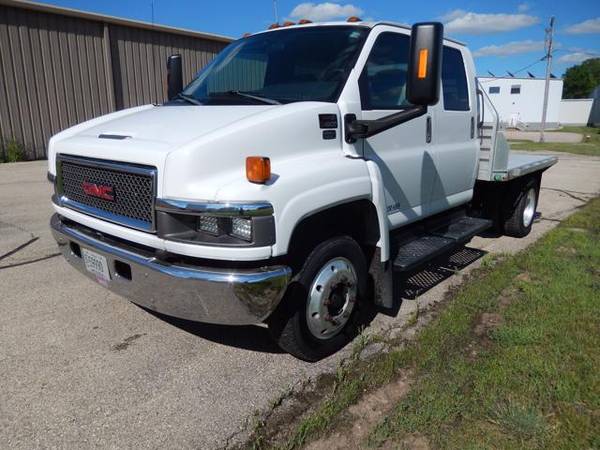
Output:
x=132 y=188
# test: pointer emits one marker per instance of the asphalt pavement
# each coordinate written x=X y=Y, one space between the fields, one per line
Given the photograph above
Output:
x=82 y=367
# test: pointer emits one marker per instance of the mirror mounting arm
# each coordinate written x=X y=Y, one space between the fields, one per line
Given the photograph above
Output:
x=362 y=129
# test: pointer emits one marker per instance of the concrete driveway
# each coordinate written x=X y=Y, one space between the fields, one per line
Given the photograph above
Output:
x=81 y=367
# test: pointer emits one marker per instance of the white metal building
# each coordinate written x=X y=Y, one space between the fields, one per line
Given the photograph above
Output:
x=519 y=101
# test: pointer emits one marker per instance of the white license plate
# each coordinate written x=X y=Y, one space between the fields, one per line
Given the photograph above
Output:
x=96 y=264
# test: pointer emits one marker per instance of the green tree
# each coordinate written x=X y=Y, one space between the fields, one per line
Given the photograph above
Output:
x=580 y=80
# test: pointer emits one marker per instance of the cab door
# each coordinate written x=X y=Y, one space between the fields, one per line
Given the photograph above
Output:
x=455 y=137
x=404 y=153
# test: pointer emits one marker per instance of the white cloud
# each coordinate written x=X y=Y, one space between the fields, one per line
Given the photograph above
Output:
x=523 y=7
x=459 y=21
x=585 y=27
x=577 y=56
x=320 y=12
x=510 y=48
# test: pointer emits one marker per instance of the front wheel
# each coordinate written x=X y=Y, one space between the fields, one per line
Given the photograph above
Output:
x=318 y=314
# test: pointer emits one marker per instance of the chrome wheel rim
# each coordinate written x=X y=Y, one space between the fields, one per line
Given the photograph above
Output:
x=331 y=298
x=529 y=210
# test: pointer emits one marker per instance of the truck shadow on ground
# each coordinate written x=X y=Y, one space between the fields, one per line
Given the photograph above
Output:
x=246 y=337
x=256 y=338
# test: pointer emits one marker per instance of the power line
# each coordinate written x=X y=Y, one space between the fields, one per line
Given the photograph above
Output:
x=537 y=61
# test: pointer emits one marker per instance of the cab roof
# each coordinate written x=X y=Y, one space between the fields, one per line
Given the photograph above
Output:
x=364 y=24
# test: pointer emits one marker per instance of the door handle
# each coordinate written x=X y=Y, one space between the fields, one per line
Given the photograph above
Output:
x=428 y=130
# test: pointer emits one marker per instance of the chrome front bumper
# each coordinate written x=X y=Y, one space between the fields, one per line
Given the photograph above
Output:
x=204 y=294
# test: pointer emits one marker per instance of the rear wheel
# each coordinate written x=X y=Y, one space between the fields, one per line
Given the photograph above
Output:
x=318 y=314
x=520 y=211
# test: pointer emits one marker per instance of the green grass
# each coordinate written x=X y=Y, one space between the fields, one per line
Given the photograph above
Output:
x=589 y=146
x=531 y=382
x=534 y=382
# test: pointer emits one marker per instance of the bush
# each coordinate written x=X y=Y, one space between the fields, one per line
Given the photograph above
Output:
x=13 y=152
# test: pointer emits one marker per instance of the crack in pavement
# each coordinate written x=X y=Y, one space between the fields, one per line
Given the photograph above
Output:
x=24 y=263
x=19 y=248
x=571 y=193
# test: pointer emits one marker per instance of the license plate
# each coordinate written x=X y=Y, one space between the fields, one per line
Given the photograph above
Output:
x=96 y=264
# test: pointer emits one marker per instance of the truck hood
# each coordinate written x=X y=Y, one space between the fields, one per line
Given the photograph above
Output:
x=173 y=125
x=198 y=149
x=145 y=134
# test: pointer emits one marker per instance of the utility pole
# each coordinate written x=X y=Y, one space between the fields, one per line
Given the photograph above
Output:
x=275 y=12
x=549 y=36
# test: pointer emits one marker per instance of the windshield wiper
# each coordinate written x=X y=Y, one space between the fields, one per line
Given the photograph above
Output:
x=266 y=100
x=188 y=98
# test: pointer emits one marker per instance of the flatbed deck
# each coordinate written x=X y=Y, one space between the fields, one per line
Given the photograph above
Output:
x=520 y=164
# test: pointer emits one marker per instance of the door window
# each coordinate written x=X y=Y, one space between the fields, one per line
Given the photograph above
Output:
x=383 y=79
x=454 y=81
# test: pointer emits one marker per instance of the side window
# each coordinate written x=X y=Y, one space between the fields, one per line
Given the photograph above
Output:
x=383 y=80
x=454 y=81
x=494 y=90
x=515 y=89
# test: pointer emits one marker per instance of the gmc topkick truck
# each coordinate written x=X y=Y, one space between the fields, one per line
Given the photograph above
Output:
x=292 y=181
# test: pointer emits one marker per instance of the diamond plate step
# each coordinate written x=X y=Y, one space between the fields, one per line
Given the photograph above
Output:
x=442 y=240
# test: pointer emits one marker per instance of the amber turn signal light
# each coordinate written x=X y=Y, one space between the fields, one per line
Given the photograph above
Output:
x=258 y=169
x=423 y=53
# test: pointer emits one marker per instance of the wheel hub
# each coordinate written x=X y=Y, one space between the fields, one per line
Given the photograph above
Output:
x=529 y=210
x=332 y=297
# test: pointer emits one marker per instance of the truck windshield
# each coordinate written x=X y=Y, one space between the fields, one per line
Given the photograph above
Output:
x=298 y=64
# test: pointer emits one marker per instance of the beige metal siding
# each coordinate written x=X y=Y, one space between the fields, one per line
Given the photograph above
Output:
x=57 y=70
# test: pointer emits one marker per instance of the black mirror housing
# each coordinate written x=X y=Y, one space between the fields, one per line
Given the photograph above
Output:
x=174 y=76
x=425 y=63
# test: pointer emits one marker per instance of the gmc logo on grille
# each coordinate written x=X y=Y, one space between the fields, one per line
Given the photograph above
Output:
x=99 y=190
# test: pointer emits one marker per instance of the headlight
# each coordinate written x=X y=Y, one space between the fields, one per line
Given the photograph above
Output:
x=240 y=224
x=241 y=228
x=238 y=227
x=209 y=224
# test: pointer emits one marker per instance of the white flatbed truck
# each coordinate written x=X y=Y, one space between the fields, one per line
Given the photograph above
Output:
x=296 y=176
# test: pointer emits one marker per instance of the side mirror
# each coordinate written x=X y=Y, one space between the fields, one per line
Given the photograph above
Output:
x=174 y=76
x=425 y=63
x=423 y=85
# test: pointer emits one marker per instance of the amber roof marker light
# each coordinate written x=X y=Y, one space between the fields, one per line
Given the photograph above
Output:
x=258 y=169
x=354 y=19
x=304 y=21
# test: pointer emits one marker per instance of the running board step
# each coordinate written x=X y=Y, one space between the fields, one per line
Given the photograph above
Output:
x=464 y=229
x=442 y=240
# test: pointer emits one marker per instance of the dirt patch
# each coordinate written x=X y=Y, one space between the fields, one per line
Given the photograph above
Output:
x=414 y=442
x=279 y=423
x=361 y=417
x=566 y=251
x=487 y=322
x=524 y=277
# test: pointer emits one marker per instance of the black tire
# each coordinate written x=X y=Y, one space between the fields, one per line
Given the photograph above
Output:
x=288 y=324
x=514 y=221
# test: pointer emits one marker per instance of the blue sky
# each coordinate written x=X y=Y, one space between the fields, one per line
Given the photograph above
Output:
x=504 y=35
